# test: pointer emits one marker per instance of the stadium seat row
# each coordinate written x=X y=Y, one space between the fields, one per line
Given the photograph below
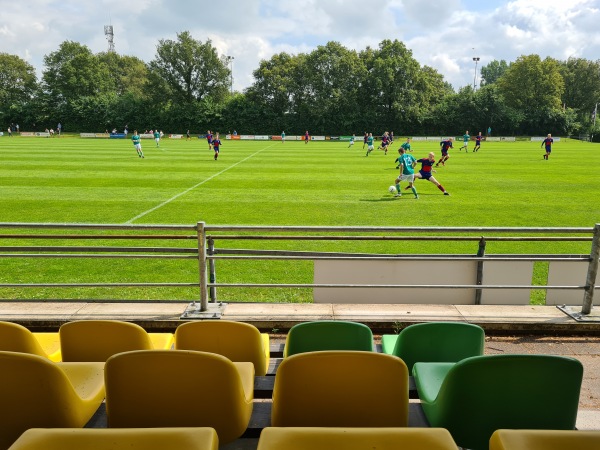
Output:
x=292 y=438
x=471 y=396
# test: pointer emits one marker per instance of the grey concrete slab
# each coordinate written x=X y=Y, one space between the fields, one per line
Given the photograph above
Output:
x=131 y=311
x=395 y=313
x=277 y=316
x=512 y=313
x=588 y=420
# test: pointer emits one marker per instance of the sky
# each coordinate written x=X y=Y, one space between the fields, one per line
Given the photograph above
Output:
x=443 y=34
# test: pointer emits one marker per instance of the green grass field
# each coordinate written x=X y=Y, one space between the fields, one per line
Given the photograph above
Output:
x=73 y=180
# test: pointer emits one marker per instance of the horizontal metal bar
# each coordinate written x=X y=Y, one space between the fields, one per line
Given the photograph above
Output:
x=409 y=286
x=101 y=236
x=93 y=256
x=98 y=249
x=402 y=238
x=314 y=229
x=90 y=285
x=86 y=226
x=395 y=258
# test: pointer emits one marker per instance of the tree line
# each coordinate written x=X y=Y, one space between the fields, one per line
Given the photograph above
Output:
x=330 y=91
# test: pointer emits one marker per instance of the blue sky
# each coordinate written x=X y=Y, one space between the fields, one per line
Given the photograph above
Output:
x=444 y=34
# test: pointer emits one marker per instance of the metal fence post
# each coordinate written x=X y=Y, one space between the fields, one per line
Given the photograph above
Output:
x=213 y=272
x=202 y=266
x=588 y=296
x=480 y=253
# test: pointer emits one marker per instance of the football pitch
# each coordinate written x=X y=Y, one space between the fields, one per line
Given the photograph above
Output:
x=75 y=180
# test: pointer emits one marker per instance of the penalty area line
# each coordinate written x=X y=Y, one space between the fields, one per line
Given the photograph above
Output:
x=166 y=202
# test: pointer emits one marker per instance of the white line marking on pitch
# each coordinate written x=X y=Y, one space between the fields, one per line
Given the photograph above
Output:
x=166 y=202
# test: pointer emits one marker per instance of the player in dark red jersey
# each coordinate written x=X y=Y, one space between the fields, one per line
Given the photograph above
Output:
x=477 y=142
x=548 y=143
x=216 y=144
x=209 y=138
x=306 y=137
x=426 y=171
x=445 y=146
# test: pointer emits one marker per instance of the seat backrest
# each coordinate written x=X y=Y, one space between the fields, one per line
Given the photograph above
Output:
x=484 y=393
x=237 y=341
x=439 y=342
x=118 y=439
x=328 y=335
x=340 y=389
x=34 y=392
x=97 y=340
x=176 y=388
x=17 y=338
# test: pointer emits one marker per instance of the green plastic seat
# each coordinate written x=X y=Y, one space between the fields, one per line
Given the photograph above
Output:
x=477 y=396
x=328 y=335
x=435 y=342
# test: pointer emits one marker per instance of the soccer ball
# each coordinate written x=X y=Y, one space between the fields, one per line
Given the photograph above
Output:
x=392 y=190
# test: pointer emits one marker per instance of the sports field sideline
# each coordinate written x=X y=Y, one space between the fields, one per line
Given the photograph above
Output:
x=74 y=180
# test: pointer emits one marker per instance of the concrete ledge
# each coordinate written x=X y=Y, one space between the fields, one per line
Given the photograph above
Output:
x=274 y=317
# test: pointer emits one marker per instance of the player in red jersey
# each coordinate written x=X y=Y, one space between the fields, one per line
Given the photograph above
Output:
x=548 y=143
x=445 y=145
x=426 y=172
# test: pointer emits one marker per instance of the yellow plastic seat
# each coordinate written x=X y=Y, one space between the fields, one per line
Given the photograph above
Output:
x=340 y=389
x=237 y=341
x=318 y=438
x=97 y=340
x=118 y=439
x=179 y=388
x=36 y=392
x=545 y=440
x=17 y=338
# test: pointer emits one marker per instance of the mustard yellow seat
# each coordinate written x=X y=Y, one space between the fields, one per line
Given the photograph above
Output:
x=97 y=340
x=340 y=389
x=17 y=338
x=179 y=388
x=118 y=439
x=318 y=438
x=237 y=341
x=545 y=440
x=36 y=392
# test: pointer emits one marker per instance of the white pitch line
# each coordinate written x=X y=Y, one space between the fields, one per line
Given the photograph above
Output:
x=166 y=202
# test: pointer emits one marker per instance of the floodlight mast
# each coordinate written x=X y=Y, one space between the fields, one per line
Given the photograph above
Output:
x=230 y=61
x=476 y=59
x=108 y=32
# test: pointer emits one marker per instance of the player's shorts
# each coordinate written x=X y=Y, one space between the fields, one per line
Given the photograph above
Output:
x=370 y=147
x=351 y=143
x=466 y=143
x=425 y=175
x=216 y=149
x=548 y=149
x=410 y=177
x=138 y=146
x=157 y=139
x=444 y=152
x=209 y=141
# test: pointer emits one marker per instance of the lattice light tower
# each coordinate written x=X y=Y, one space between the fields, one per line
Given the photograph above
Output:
x=108 y=32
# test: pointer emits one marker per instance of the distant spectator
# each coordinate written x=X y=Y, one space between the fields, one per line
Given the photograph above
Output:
x=58 y=129
x=17 y=127
x=9 y=132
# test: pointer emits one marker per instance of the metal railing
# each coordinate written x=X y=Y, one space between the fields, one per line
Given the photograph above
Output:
x=206 y=253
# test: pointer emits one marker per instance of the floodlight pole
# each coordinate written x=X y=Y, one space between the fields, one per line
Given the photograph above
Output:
x=476 y=59
x=230 y=61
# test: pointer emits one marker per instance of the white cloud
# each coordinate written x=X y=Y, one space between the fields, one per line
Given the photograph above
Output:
x=442 y=34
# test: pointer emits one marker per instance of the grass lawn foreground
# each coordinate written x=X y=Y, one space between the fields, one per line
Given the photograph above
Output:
x=75 y=180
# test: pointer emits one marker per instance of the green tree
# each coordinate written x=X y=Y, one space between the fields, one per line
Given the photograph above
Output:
x=582 y=91
x=18 y=81
x=190 y=70
x=128 y=74
x=530 y=84
x=73 y=71
x=491 y=72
